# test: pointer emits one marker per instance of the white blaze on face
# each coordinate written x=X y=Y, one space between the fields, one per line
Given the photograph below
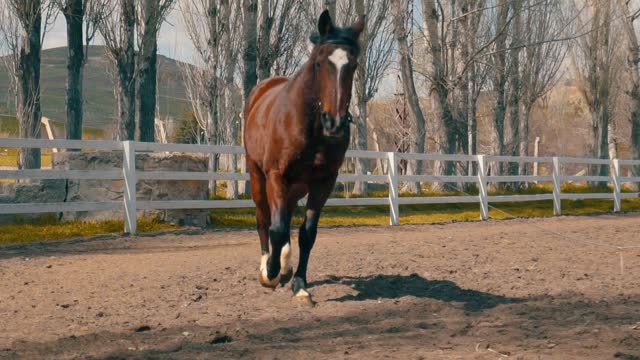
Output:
x=339 y=58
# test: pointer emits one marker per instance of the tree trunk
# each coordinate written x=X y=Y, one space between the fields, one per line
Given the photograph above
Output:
x=125 y=69
x=600 y=137
x=230 y=108
x=445 y=126
x=633 y=59
x=499 y=109
x=411 y=96
x=74 y=14
x=361 y=97
x=250 y=35
x=28 y=87
x=515 y=97
x=146 y=92
x=250 y=56
x=523 y=141
x=147 y=69
x=264 y=46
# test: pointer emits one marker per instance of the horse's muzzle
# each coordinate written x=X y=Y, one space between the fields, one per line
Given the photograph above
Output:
x=332 y=127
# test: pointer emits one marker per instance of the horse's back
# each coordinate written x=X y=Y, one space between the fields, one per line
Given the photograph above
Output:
x=260 y=90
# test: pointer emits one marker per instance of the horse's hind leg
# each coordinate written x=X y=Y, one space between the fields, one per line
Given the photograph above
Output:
x=279 y=234
x=318 y=194
x=263 y=216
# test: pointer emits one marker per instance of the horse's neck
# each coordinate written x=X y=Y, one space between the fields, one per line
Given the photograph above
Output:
x=303 y=84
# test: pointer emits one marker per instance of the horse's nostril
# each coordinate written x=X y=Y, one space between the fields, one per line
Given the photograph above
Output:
x=327 y=121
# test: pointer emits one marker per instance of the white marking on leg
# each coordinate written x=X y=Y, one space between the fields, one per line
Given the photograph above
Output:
x=339 y=58
x=263 y=263
x=302 y=293
x=285 y=259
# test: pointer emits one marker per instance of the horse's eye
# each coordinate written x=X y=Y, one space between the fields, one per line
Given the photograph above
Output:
x=317 y=65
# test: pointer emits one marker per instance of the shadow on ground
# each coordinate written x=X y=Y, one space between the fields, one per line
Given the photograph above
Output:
x=399 y=327
x=397 y=286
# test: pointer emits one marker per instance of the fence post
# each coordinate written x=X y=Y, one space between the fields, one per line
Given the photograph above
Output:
x=617 y=197
x=394 y=207
x=129 y=172
x=482 y=188
x=557 y=183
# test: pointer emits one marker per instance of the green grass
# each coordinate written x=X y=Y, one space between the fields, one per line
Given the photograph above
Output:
x=48 y=228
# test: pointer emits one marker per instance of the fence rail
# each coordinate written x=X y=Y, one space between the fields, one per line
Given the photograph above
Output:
x=131 y=176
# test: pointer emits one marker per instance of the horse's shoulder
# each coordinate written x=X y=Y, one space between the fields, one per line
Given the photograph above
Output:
x=263 y=87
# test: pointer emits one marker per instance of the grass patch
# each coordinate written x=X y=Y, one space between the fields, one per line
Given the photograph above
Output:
x=427 y=213
x=9 y=157
x=48 y=228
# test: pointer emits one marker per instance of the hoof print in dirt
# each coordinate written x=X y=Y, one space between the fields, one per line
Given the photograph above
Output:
x=221 y=339
x=143 y=328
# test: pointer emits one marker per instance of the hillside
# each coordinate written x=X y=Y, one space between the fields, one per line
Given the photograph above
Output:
x=98 y=88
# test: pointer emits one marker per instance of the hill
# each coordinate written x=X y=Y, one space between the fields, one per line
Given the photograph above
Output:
x=100 y=106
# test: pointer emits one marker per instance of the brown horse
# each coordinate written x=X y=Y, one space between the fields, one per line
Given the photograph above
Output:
x=296 y=135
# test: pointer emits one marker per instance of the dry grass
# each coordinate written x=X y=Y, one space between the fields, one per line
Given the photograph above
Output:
x=48 y=228
x=426 y=214
x=9 y=157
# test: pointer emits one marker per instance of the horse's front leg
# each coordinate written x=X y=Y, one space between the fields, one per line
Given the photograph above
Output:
x=318 y=194
x=279 y=258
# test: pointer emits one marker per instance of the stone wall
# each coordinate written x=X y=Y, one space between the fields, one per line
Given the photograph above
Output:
x=112 y=190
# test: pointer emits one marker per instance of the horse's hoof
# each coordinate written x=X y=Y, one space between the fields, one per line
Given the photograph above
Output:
x=303 y=298
x=284 y=278
x=264 y=280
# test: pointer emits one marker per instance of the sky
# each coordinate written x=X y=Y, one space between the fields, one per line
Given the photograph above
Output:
x=173 y=42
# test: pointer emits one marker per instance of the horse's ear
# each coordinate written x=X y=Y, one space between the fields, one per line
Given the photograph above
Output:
x=325 y=24
x=358 y=26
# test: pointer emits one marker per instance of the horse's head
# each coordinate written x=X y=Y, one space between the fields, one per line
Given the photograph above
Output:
x=334 y=59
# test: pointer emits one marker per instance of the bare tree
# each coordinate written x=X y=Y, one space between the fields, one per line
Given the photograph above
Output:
x=22 y=28
x=540 y=62
x=633 y=59
x=249 y=59
x=250 y=40
x=598 y=66
x=376 y=42
x=77 y=13
x=400 y=19
x=210 y=28
x=117 y=28
x=281 y=33
x=499 y=79
x=150 y=15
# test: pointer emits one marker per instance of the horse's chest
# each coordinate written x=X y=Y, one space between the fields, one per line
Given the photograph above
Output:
x=319 y=159
x=311 y=164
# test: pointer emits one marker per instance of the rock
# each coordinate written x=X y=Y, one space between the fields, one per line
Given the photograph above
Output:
x=112 y=190
x=40 y=191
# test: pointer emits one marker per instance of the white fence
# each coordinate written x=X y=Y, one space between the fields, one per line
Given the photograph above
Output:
x=130 y=176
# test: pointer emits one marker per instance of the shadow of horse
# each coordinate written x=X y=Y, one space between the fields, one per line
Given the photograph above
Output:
x=397 y=286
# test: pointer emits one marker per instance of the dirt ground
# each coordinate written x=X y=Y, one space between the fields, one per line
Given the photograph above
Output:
x=521 y=289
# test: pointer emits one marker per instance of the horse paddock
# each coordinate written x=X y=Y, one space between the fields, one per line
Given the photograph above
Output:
x=522 y=289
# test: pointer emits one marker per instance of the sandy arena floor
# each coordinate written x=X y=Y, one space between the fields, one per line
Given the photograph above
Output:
x=491 y=290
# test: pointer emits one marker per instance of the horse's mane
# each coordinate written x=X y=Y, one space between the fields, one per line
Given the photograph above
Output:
x=339 y=36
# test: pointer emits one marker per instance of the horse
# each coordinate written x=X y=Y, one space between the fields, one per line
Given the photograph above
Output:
x=296 y=135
